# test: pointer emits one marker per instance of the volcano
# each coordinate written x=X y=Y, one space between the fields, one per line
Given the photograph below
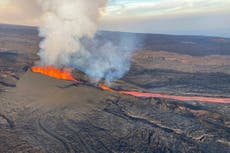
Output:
x=171 y=100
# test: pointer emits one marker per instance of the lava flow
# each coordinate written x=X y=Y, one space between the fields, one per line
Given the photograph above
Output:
x=54 y=72
x=165 y=96
x=104 y=87
x=180 y=98
x=65 y=74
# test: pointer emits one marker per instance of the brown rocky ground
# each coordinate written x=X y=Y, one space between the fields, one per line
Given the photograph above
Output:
x=42 y=114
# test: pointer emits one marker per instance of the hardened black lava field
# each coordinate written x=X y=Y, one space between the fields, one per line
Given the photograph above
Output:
x=40 y=114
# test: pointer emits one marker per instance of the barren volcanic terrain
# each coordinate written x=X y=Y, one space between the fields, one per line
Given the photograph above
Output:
x=39 y=113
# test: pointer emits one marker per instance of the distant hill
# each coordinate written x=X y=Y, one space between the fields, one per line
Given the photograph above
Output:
x=191 y=45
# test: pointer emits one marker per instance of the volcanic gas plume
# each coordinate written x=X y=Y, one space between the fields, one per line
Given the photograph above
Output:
x=68 y=31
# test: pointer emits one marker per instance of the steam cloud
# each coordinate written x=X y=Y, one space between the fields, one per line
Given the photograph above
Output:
x=68 y=32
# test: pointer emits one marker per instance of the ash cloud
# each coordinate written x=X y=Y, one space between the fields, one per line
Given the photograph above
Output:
x=70 y=38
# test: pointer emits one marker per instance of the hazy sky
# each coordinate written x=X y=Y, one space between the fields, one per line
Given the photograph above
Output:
x=199 y=17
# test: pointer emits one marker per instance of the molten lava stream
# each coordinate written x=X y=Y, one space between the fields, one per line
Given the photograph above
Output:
x=65 y=74
x=104 y=87
x=165 y=96
x=180 y=98
x=51 y=71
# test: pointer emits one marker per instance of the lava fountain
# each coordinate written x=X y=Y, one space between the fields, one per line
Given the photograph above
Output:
x=65 y=74
x=54 y=72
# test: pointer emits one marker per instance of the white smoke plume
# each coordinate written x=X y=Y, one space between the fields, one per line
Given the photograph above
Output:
x=68 y=31
x=64 y=23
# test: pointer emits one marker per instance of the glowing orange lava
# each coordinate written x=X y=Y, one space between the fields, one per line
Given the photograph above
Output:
x=180 y=98
x=104 y=87
x=51 y=71
x=65 y=74
x=165 y=96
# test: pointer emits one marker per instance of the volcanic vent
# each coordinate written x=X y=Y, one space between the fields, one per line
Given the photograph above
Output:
x=65 y=74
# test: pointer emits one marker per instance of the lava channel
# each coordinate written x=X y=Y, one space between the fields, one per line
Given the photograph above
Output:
x=65 y=74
